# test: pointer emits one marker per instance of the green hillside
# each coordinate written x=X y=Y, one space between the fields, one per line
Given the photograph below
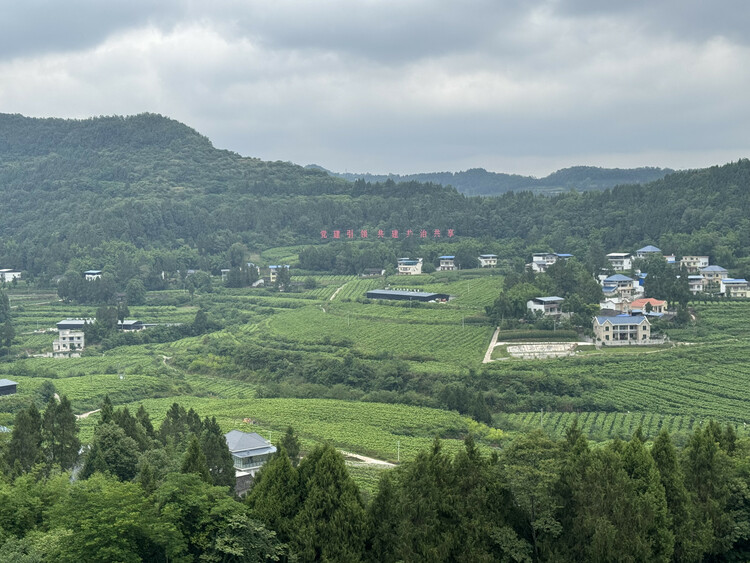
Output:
x=78 y=193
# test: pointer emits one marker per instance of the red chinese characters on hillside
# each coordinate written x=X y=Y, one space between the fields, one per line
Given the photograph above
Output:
x=339 y=234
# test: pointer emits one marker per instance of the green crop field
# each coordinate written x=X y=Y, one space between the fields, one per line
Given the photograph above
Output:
x=389 y=331
x=388 y=432
x=600 y=425
x=616 y=390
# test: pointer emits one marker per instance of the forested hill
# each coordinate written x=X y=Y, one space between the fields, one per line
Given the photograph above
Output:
x=478 y=181
x=78 y=194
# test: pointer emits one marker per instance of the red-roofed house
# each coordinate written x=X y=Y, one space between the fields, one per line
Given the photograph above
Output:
x=657 y=306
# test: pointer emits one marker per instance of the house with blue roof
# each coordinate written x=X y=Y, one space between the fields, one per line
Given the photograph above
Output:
x=447 y=263
x=618 y=284
x=735 y=287
x=409 y=266
x=487 y=260
x=714 y=273
x=250 y=451
x=547 y=306
x=622 y=329
x=647 y=251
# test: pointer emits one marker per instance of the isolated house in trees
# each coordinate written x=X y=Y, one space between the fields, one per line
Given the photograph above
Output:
x=92 y=275
x=7 y=387
x=409 y=266
x=620 y=261
x=622 y=329
x=250 y=451
x=547 y=306
x=487 y=260
x=447 y=263
x=540 y=261
x=7 y=275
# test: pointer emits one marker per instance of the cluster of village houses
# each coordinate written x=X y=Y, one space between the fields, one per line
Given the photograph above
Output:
x=625 y=312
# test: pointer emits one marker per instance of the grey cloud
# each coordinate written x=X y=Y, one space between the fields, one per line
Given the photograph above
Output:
x=686 y=20
x=34 y=27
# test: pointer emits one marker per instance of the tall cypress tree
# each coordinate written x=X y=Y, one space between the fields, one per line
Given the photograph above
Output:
x=194 y=461
x=107 y=411
x=60 y=434
x=656 y=523
x=275 y=498
x=290 y=443
x=330 y=524
x=25 y=447
x=691 y=535
x=145 y=420
x=218 y=457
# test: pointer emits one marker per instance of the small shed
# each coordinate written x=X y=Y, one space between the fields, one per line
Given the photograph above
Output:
x=7 y=387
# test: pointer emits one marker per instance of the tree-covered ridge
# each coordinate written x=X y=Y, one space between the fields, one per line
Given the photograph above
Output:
x=478 y=181
x=155 y=184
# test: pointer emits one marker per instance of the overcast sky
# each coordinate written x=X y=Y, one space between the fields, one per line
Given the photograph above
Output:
x=401 y=85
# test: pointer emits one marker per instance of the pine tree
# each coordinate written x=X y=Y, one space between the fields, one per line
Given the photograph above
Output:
x=707 y=474
x=383 y=523
x=218 y=457
x=107 y=411
x=145 y=420
x=330 y=524
x=194 y=461
x=60 y=434
x=112 y=451
x=656 y=523
x=275 y=498
x=25 y=447
x=290 y=443
x=691 y=535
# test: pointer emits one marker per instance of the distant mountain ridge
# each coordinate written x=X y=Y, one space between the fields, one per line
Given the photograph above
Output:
x=478 y=181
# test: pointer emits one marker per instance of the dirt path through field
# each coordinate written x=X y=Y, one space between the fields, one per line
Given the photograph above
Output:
x=367 y=460
x=493 y=343
x=335 y=293
x=86 y=414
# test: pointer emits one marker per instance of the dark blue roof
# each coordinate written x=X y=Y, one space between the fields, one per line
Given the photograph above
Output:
x=447 y=257
x=564 y=255
x=618 y=278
